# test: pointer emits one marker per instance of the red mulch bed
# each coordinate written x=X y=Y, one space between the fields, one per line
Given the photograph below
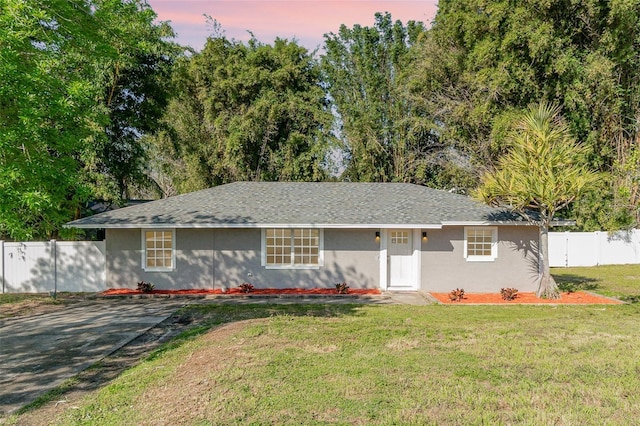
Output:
x=576 y=298
x=238 y=292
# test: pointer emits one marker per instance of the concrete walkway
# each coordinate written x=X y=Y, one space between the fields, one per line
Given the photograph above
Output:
x=38 y=353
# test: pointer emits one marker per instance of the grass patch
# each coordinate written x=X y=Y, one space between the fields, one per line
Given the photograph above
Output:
x=17 y=304
x=344 y=364
x=6 y=298
x=621 y=281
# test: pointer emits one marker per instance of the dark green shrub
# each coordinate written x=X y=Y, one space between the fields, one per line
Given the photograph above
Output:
x=342 y=288
x=246 y=287
x=145 y=287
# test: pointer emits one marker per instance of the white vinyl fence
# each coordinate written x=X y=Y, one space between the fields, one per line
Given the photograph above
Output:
x=594 y=248
x=40 y=267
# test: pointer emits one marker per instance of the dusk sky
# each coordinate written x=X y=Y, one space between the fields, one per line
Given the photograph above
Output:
x=305 y=20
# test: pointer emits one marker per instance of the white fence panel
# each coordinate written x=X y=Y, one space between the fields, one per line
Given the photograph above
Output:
x=28 y=267
x=40 y=267
x=81 y=266
x=594 y=248
x=558 y=249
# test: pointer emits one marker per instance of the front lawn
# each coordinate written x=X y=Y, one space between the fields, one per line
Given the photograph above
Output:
x=367 y=364
x=621 y=281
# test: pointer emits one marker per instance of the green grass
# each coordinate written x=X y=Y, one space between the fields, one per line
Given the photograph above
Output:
x=319 y=364
x=621 y=281
x=6 y=298
x=17 y=304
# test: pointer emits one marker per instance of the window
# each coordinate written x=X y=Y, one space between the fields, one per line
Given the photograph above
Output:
x=290 y=248
x=481 y=244
x=159 y=249
x=399 y=237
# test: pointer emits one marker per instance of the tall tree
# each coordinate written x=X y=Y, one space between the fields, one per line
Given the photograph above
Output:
x=136 y=91
x=46 y=112
x=363 y=66
x=485 y=60
x=543 y=171
x=246 y=112
x=57 y=58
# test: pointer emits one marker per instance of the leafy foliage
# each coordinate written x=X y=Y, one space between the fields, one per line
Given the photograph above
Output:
x=456 y=295
x=45 y=114
x=483 y=62
x=58 y=59
x=363 y=67
x=245 y=112
x=509 y=293
x=544 y=170
x=342 y=288
x=246 y=287
x=145 y=287
x=136 y=93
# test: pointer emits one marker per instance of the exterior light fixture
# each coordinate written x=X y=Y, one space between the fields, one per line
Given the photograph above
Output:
x=377 y=235
x=424 y=236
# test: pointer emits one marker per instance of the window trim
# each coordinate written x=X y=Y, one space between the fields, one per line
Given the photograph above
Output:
x=494 y=244
x=143 y=234
x=293 y=265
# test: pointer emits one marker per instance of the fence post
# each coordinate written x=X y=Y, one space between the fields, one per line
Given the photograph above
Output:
x=2 y=264
x=55 y=269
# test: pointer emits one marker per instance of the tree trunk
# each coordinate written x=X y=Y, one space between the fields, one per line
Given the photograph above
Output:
x=547 y=288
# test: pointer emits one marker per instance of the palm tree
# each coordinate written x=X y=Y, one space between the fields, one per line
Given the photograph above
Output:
x=542 y=173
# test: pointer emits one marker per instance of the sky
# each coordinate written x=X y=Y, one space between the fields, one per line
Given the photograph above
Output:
x=305 y=20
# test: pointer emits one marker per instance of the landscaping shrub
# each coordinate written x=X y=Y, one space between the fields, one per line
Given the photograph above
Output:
x=342 y=288
x=509 y=293
x=246 y=287
x=145 y=287
x=457 y=294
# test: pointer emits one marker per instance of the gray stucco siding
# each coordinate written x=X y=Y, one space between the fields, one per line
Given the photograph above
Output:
x=445 y=268
x=225 y=258
x=349 y=255
x=193 y=260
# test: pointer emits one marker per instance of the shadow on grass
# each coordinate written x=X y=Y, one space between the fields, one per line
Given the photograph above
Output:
x=571 y=283
x=183 y=326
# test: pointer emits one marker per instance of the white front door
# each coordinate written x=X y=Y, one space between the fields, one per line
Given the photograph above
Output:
x=400 y=254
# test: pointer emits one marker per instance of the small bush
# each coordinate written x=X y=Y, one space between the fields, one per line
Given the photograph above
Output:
x=145 y=287
x=457 y=295
x=509 y=293
x=246 y=287
x=342 y=288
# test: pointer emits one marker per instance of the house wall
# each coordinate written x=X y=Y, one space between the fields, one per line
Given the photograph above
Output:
x=225 y=258
x=349 y=255
x=444 y=267
x=194 y=260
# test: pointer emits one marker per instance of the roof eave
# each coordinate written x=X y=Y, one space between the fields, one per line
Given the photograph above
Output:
x=486 y=223
x=253 y=225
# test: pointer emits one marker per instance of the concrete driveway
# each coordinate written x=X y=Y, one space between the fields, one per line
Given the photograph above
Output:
x=38 y=353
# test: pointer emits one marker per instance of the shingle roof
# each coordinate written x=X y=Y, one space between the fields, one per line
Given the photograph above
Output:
x=317 y=204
